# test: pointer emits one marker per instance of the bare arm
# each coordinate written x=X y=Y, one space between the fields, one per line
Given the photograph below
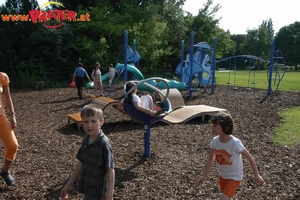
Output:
x=10 y=106
x=121 y=107
x=87 y=76
x=110 y=183
x=92 y=75
x=74 y=176
x=257 y=178
x=209 y=163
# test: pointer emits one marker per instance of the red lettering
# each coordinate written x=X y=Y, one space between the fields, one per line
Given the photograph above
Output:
x=52 y=15
x=63 y=15
x=34 y=14
x=72 y=15
x=43 y=16
x=58 y=14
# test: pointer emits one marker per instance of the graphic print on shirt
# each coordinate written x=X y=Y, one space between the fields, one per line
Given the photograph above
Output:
x=223 y=157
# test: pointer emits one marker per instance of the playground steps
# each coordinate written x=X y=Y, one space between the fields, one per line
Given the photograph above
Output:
x=101 y=102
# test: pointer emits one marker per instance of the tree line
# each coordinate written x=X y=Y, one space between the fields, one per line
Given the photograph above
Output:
x=31 y=51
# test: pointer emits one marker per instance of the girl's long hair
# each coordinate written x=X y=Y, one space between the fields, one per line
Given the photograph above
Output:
x=95 y=67
x=129 y=85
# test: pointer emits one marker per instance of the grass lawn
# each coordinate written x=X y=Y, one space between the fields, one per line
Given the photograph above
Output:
x=288 y=133
x=290 y=81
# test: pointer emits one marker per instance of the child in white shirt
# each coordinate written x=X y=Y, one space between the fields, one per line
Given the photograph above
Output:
x=227 y=151
x=96 y=75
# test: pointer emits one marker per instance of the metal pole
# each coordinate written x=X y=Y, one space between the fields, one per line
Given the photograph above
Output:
x=147 y=141
x=234 y=75
x=125 y=55
x=134 y=49
x=271 y=67
x=214 y=66
x=182 y=57
x=191 y=62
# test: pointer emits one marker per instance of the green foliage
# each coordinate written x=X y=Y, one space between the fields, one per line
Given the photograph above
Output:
x=204 y=23
x=269 y=26
x=226 y=46
x=288 y=41
x=257 y=43
x=26 y=80
x=158 y=27
x=238 y=40
x=288 y=133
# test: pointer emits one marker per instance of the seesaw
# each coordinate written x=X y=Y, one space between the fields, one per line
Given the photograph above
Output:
x=144 y=118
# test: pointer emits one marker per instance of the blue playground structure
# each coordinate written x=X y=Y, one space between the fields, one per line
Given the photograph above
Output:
x=202 y=65
x=198 y=67
x=201 y=71
x=131 y=57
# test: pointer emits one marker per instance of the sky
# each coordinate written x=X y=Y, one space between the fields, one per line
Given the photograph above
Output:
x=240 y=15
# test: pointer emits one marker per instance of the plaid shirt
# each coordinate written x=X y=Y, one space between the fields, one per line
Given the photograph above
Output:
x=96 y=158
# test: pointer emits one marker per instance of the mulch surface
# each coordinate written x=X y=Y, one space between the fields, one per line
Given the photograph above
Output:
x=48 y=145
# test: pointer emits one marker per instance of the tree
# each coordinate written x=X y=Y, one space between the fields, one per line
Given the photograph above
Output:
x=269 y=26
x=15 y=34
x=225 y=45
x=258 y=41
x=204 y=24
x=288 y=41
x=238 y=39
x=32 y=52
x=158 y=26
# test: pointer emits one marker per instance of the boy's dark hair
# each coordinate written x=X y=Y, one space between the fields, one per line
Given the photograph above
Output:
x=225 y=120
x=129 y=85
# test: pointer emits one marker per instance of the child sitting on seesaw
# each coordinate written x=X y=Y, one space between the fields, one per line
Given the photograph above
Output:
x=144 y=104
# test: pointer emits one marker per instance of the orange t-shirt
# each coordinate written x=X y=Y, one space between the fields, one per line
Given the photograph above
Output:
x=4 y=80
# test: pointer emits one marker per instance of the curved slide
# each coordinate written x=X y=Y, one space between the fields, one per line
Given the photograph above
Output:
x=139 y=76
x=131 y=68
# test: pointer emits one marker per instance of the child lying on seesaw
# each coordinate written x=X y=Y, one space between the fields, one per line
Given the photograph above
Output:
x=144 y=104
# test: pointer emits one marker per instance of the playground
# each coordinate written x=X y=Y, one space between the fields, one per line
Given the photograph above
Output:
x=48 y=146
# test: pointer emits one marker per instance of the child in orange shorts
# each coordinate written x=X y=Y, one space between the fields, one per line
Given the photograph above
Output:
x=7 y=134
x=228 y=150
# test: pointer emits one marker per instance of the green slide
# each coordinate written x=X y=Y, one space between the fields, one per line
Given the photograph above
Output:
x=131 y=68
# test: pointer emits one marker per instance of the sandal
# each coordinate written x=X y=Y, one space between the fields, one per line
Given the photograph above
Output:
x=9 y=180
